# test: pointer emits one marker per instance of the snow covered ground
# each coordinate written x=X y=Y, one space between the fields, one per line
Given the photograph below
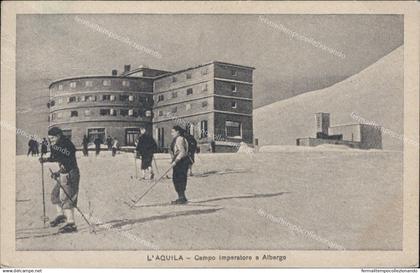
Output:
x=295 y=199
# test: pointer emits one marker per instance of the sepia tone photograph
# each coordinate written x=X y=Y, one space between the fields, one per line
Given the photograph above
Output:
x=166 y=132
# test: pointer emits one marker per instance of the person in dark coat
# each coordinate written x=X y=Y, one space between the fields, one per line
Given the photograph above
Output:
x=64 y=153
x=146 y=147
x=85 y=144
x=36 y=147
x=44 y=146
x=98 y=143
x=31 y=147
x=180 y=162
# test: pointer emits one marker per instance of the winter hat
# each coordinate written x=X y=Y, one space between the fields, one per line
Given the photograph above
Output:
x=55 y=131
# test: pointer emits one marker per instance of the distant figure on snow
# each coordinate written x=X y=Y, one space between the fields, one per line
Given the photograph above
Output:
x=31 y=147
x=109 y=143
x=36 y=147
x=98 y=143
x=85 y=144
x=146 y=147
x=44 y=146
x=115 y=146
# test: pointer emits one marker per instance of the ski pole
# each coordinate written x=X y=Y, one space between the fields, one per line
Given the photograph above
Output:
x=44 y=217
x=150 y=188
x=154 y=160
x=135 y=166
x=92 y=228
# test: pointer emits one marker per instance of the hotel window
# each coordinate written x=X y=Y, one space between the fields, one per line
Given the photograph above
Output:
x=130 y=112
x=204 y=87
x=90 y=98
x=87 y=113
x=106 y=97
x=60 y=87
x=83 y=98
x=188 y=106
x=94 y=133
x=126 y=83
x=71 y=99
x=234 y=72
x=233 y=129
x=111 y=97
x=204 y=104
x=106 y=82
x=104 y=112
x=234 y=105
x=189 y=91
x=112 y=112
x=88 y=83
x=174 y=109
x=131 y=98
x=52 y=103
x=189 y=76
x=73 y=84
x=174 y=95
x=74 y=114
x=204 y=128
x=204 y=71
x=123 y=97
x=233 y=88
x=160 y=113
x=148 y=113
x=174 y=79
x=161 y=98
x=124 y=112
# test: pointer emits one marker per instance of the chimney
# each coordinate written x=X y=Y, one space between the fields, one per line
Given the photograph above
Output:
x=127 y=68
x=114 y=72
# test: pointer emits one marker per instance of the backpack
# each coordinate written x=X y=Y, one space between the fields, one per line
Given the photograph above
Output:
x=192 y=144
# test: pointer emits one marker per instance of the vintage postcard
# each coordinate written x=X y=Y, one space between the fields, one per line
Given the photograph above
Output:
x=209 y=134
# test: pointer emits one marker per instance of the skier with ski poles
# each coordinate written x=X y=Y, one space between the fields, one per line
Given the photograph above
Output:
x=180 y=163
x=64 y=194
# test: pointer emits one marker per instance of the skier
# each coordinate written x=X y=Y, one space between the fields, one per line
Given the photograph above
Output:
x=85 y=144
x=36 y=147
x=146 y=147
x=109 y=142
x=98 y=143
x=115 y=146
x=64 y=153
x=180 y=162
x=44 y=147
x=192 y=148
x=31 y=147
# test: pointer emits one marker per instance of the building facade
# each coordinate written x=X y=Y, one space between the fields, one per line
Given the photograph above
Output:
x=360 y=136
x=212 y=101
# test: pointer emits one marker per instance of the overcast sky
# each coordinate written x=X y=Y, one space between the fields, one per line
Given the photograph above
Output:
x=55 y=46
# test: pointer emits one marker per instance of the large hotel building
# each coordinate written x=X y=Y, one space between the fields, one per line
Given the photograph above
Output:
x=212 y=101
